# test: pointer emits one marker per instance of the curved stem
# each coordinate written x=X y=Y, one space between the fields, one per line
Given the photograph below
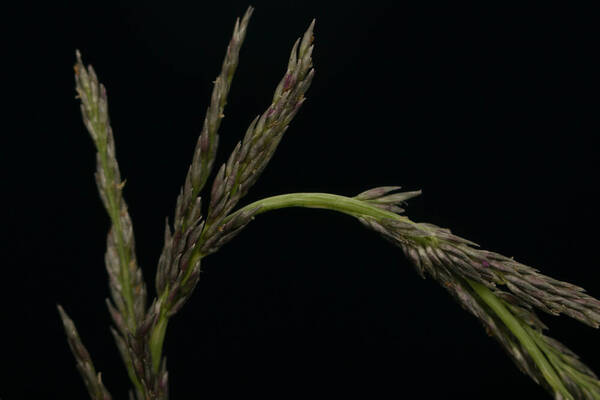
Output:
x=358 y=208
x=343 y=204
x=334 y=202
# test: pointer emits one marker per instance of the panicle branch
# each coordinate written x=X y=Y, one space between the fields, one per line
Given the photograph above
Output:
x=207 y=144
x=478 y=280
x=92 y=380
x=126 y=283
x=429 y=246
x=206 y=147
x=501 y=293
x=178 y=268
x=193 y=236
x=253 y=153
x=127 y=286
x=174 y=264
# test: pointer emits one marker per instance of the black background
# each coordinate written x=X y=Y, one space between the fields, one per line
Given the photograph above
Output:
x=492 y=112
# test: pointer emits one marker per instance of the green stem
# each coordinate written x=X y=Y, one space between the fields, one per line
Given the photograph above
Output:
x=157 y=336
x=334 y=202
x=157 y=339
x=343 y=204
x=520 y=332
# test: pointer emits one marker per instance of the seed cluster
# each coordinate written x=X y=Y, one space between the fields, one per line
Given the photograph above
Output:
x=454 y=261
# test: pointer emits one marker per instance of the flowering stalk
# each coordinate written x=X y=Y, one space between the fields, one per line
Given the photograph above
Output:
x=501 y=292
x=127 y=287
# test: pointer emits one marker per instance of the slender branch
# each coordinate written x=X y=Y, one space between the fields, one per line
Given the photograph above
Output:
x=85 y=366
x=206 y=147
x=127 y=286
x=473 y=277
x=176 y=277
x=343 y=204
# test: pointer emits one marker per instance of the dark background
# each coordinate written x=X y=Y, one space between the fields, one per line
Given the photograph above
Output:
x=492 y=112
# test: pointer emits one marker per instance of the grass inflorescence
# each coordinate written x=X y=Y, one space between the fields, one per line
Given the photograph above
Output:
x=501 y=292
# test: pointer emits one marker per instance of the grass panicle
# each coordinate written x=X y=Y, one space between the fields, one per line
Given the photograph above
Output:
x=501 y=292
